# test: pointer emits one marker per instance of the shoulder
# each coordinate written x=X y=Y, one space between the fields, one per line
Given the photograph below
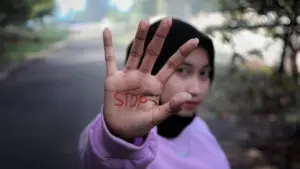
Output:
x=201 y=131
x=200 y=126
x=202 y=135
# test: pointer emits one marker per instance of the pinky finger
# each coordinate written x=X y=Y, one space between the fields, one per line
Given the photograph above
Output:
x=109 y=54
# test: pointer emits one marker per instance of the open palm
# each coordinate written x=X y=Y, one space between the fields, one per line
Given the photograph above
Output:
x=131 y=101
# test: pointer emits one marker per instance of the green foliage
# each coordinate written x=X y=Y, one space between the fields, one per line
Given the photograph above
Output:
x=22 y=49
x=280 y=7
x=148 y=7
x=41 y=8
x=160 y=6
x=14 y=11
x=17 y=12
x=286 y=82
x=272 y=12
x=118 y=16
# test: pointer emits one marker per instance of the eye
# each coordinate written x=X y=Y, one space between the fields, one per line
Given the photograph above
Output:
x=180 y=70
x=183 y=71
x=204 y=73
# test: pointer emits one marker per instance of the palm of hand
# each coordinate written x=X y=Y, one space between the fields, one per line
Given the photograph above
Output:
x=131 y=97
x=140 y=88
x=131 y=101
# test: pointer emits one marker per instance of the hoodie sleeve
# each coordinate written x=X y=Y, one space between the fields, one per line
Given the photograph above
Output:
x=98 y=148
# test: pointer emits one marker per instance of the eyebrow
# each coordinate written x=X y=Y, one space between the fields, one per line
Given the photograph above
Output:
x=185 y=63
x=206 y=66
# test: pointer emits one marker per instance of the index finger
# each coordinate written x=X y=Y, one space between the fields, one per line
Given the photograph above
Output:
x=111 y=66
x=176 y=59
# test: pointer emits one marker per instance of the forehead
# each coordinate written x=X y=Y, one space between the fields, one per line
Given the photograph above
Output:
x=198 y=58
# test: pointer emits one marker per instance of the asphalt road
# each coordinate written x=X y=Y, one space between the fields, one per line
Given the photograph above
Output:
x=45 y=106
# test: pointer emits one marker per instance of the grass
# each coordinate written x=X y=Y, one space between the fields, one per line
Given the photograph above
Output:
x=19 y=51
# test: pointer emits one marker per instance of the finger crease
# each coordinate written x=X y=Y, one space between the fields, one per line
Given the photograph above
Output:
x=161 y=79
x=183 y=52
x=171 y=64
x=151 y=52
x=140 y=38
x=109 y=58
x=135 y=54
x=144 y=70
x=129 y=67
x=160 y=36
x=107 y=45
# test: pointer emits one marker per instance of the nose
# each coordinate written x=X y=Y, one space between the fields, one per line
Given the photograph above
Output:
x=194 y=87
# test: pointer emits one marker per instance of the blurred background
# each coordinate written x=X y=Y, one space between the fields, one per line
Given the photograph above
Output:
x=52 y=71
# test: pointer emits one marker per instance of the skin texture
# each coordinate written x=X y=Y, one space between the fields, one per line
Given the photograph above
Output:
x=130 y=122
x=179 y=33
x=129 y=100
x=191 y=77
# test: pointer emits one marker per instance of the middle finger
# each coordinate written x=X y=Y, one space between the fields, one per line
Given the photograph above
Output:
x=137 y=47
x=155 y=46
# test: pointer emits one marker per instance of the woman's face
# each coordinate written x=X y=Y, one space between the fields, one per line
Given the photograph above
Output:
x=192 y=76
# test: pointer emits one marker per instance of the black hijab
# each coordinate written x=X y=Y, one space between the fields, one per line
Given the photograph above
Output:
x=179 y=33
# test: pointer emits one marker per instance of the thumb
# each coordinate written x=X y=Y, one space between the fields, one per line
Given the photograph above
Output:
x=171 y=107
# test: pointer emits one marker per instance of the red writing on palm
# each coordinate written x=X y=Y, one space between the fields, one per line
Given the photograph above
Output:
x=128 y=100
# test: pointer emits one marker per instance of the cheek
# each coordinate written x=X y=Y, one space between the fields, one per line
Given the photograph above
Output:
x=205 y=90
x=186 y=113
x=172 y=87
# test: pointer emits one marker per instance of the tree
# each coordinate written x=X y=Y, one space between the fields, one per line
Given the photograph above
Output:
x=41 y=8
x=14 y=12
x=17 y=12
x=277 y=17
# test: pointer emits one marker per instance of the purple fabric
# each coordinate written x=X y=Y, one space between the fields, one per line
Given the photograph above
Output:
x=195 y=148
x=138 y=141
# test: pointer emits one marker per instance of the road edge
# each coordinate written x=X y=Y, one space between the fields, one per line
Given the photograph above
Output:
x=34 y=58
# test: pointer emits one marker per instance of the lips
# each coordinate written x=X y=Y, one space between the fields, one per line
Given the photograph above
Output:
x=191 y=105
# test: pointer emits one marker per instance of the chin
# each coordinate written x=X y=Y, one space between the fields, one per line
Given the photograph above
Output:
x=187 y=113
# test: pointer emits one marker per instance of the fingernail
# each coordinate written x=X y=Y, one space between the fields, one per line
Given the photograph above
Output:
x=196 y=40
x=166 y=22
x=106 y=30
x=187 y=96
x=142 y=25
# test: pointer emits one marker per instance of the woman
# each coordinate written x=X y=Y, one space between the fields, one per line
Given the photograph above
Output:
x=149 y=114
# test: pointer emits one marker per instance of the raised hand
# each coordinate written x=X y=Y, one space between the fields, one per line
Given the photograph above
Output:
x=131 y=101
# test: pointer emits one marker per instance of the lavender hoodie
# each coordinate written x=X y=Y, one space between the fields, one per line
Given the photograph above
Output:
x=194 y=148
